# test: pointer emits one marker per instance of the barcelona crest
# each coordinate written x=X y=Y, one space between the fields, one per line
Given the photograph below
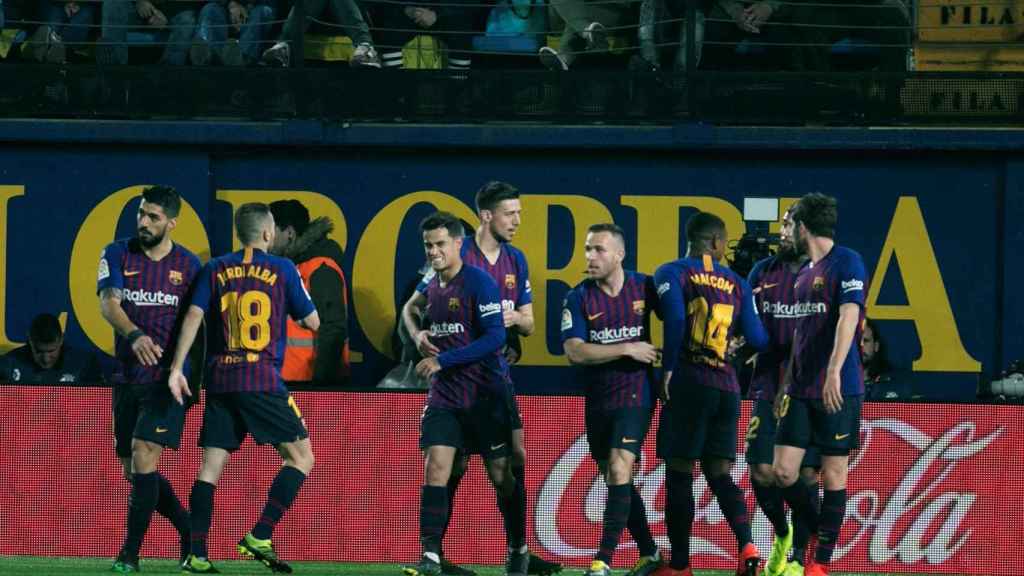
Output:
x=453 y=304
x=638 y=307
x=510 y=281
x=175 y=277
x=819 y=283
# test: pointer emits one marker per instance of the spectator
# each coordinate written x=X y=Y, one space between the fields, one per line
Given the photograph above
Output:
x=250 y=23
x=448 y=21
x=730 y=22
x=586 y=24
x=172 y=21
x=64 y=22
x=320 y=356
x=46 y=359
x=883 y=22
x=881 y=380
x=353 y=25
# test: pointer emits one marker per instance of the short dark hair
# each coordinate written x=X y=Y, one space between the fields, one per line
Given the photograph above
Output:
x=609 y=227
x=493 y=193
x=702 y=226
x=879 y=363
x=290 y=213
x=165 y=197
x=249 y=221
x=45 y=329
x=445 y=220
x=818 y=213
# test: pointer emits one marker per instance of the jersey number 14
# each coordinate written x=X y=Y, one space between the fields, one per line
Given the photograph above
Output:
x=710 y=326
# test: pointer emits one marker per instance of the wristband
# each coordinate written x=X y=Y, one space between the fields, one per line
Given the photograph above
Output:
x=134 y=335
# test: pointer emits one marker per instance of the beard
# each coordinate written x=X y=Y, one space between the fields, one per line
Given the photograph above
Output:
x=150 y=240
x=788 y=251
x=499 y=235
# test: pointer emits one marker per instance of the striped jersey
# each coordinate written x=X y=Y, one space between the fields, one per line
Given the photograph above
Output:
x=466 y=326
x=595 y=317
x=702 y=305
x=772 y=281
x=247 y=295
x=153 y=296
x=821 y=288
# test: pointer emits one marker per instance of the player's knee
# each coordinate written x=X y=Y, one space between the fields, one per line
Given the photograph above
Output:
x=518 y=455
x=834 y=477
x=785 y=476
x=809 y=476
x=304 y=461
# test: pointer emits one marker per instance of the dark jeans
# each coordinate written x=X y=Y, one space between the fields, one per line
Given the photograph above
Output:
x=74 y=30
x=214 y=23
x=345 y=12
x=120 y=15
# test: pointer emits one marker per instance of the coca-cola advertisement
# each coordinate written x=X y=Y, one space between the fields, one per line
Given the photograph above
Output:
x=934 y=488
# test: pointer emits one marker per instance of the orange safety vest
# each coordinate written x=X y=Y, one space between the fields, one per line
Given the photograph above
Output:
x=300 y=352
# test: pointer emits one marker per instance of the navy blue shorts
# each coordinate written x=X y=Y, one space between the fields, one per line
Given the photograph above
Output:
x=699 y=422
x=624 y=428
x=484 y=428
x=515 y=418
x=271 y=418
x=147 y=412
x=805 y=423
x=761 y=438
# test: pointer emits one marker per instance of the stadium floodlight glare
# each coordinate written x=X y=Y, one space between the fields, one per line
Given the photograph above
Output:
x=761 y=209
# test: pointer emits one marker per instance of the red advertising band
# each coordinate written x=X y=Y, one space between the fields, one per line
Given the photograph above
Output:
x=934 y=488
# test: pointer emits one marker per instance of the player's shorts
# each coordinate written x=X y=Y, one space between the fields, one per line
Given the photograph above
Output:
x=805 y=423
x=699 y=422
x=625 y=428
x=147 y=412
x=271 y=418
x=483 y=428
x=761 y=438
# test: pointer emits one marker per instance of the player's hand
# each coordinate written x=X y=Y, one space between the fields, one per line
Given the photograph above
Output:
x=734 y=346
x=665 y=379
x=425 y=346
x=831 y=395
x=511 y=318
x=179 y=386
x=146 y=351
x=780 y=399
x=428 y=367
x=642 y=352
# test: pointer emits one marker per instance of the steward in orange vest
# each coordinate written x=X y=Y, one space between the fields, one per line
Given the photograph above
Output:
x=321 y=357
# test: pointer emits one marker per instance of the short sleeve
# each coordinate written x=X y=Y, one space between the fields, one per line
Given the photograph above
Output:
x=572 y=317
x=110 y=272
x=425 y=281
x=300 y=304
x=203 y=287
x=852 y=280
x=525 y=292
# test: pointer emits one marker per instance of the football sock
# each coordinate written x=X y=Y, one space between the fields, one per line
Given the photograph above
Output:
x=679 y=512
x=200 y=502
x=513 y=516
x=801 y=535
x=168 y=506
x=833 y=509
x=141 y=503
x=733 y=506
x=282 y=493
x=769 y=498
x=453 y=485
x=616 y=513
x=519 y=502
x=638 y=526
x=433 y=512
x=799 y=499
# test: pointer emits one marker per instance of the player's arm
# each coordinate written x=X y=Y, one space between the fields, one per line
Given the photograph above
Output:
x=582 y=353
x=753 y=330
x=522 y=317
x=853 y=279
x=412 y=314
x=672 y=312
x=189 y=328
x=297 y=301
x=110 y=287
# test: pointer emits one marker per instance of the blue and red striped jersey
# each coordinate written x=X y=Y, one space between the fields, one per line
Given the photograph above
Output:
x=250 y=292
x=509 y=271
x=153 y=295
x=466 y=326
x=772 y=281
x=595 y=317
x=821 y=288
x=702 y=303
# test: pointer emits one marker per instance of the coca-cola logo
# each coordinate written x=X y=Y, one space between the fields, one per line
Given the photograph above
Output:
x=918 y=515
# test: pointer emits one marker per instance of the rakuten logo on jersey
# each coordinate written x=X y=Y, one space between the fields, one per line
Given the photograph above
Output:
x=613 y=335
x=798 y=310
x=142 y=297
x=446 y=328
